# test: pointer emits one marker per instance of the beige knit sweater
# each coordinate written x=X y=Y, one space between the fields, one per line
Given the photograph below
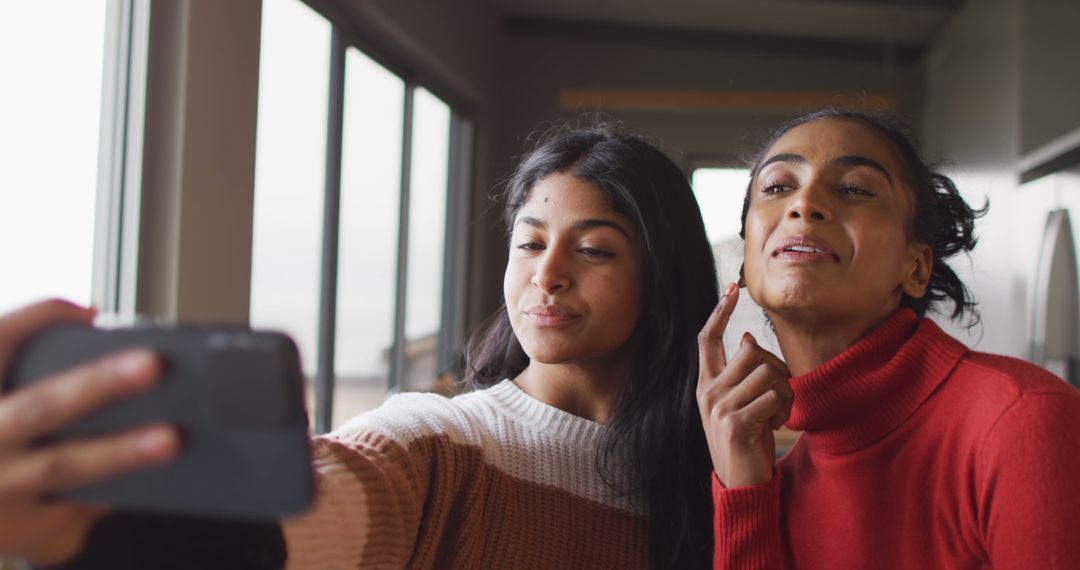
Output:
x=489 y=479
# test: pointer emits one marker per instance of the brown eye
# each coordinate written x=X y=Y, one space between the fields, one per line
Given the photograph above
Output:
x=595 y=252
x=855 y=191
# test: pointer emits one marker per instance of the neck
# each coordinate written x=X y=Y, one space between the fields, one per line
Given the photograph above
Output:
x=808 y=341
x=587 y=390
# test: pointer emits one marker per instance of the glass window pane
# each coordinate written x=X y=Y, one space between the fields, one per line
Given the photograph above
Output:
x=427 y=237
x=719 y=193
x=51 y=56
x=290 y=164
x=370 y=206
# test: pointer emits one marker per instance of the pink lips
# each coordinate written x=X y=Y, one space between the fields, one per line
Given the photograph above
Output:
x=550 y=315
x=801 y=248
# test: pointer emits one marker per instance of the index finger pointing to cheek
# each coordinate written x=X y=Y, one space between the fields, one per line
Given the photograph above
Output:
x=711 y=353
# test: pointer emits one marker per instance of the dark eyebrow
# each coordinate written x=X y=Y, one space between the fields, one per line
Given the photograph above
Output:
x=855 y=160
x=847 y=160
x=600 y=223
x=531 y=221
x=784 y=157
x=587 y=224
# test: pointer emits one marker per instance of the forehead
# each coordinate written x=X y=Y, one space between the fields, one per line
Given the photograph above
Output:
x=823 y=139
x=562 y=195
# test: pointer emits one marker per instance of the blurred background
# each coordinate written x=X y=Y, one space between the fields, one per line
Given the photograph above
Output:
x=327 y=167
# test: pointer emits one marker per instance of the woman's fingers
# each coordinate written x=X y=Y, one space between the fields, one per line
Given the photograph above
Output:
x=44 y=407
x=64 y=466
x=750 y=394
x=762 y=409
x=17 y=325
x=711 y=355
x=764 y=378
x=31 y=525
x=770 y=374
x=748 y=357
x=760 y=380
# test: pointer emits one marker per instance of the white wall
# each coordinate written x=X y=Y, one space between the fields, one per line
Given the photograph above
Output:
x=972 y=118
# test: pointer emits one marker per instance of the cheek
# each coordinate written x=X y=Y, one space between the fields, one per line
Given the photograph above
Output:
x=754 y=246
x=614 y=293
x=885 y=246
x=624 y=299
x=512 y=282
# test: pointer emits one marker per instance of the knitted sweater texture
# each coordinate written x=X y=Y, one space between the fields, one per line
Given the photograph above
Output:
x=916 y=453
x=490 y=479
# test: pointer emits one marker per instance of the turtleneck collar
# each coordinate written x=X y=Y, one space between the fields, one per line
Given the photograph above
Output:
x=867 y=391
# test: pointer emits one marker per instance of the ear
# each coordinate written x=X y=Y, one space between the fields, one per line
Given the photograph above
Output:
x=916 y=278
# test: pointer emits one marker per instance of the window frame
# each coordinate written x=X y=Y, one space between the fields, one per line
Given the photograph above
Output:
x=120 y=157
x=459 y=178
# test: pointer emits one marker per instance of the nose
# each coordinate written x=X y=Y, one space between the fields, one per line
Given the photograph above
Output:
x=811 y=203
x=551 y=273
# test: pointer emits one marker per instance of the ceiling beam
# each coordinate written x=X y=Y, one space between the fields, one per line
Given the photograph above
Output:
x=738 y=42
x=943 y=5
x=713 y=100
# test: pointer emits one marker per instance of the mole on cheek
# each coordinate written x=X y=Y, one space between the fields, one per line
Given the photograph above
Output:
x=545 y=199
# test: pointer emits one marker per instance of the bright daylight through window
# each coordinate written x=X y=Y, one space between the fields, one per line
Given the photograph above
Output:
x=51 y=56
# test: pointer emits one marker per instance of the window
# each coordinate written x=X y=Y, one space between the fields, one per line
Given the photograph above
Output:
x=50 y=110
x=427 y=240
x=720 y=192
x=290 y=169
x=351 y=233
x=371 y=154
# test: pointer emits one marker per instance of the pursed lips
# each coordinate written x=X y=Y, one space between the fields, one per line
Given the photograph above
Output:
x=550 y=315
x=802 y=248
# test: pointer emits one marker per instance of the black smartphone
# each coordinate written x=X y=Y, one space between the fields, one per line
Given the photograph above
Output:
x=237 y=397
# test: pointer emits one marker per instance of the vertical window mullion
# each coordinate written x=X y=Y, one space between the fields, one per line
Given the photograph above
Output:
x=397 y=360
x=120 y=157
x=324 y=371
x=458 y=191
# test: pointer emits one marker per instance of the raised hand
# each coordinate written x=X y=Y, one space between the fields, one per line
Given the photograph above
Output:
x=33 y=526
x=741 y=400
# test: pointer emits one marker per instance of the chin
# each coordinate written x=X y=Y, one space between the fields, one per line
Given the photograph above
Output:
x=546 y=353
x=797 y=303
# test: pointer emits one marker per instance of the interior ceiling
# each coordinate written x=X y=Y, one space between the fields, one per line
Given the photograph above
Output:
x=899 y=22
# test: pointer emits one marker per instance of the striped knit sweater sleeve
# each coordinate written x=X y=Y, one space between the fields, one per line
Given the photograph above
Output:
x=493 y=478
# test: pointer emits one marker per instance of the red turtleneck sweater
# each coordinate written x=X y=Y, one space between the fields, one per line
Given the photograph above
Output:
x=916 y=453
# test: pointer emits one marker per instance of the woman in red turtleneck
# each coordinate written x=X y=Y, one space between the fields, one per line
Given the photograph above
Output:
x=916 y=452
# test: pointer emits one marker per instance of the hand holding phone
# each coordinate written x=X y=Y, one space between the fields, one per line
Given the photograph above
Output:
x=234 y=395
x=32 y=526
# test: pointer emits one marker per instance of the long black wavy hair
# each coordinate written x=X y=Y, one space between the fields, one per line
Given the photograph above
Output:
x=942 y=220
x=654 y=424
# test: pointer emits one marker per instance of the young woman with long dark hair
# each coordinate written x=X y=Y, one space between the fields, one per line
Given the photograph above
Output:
x=579 y=445
x=582 y=449
x=650 y=449
x=916 y=451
